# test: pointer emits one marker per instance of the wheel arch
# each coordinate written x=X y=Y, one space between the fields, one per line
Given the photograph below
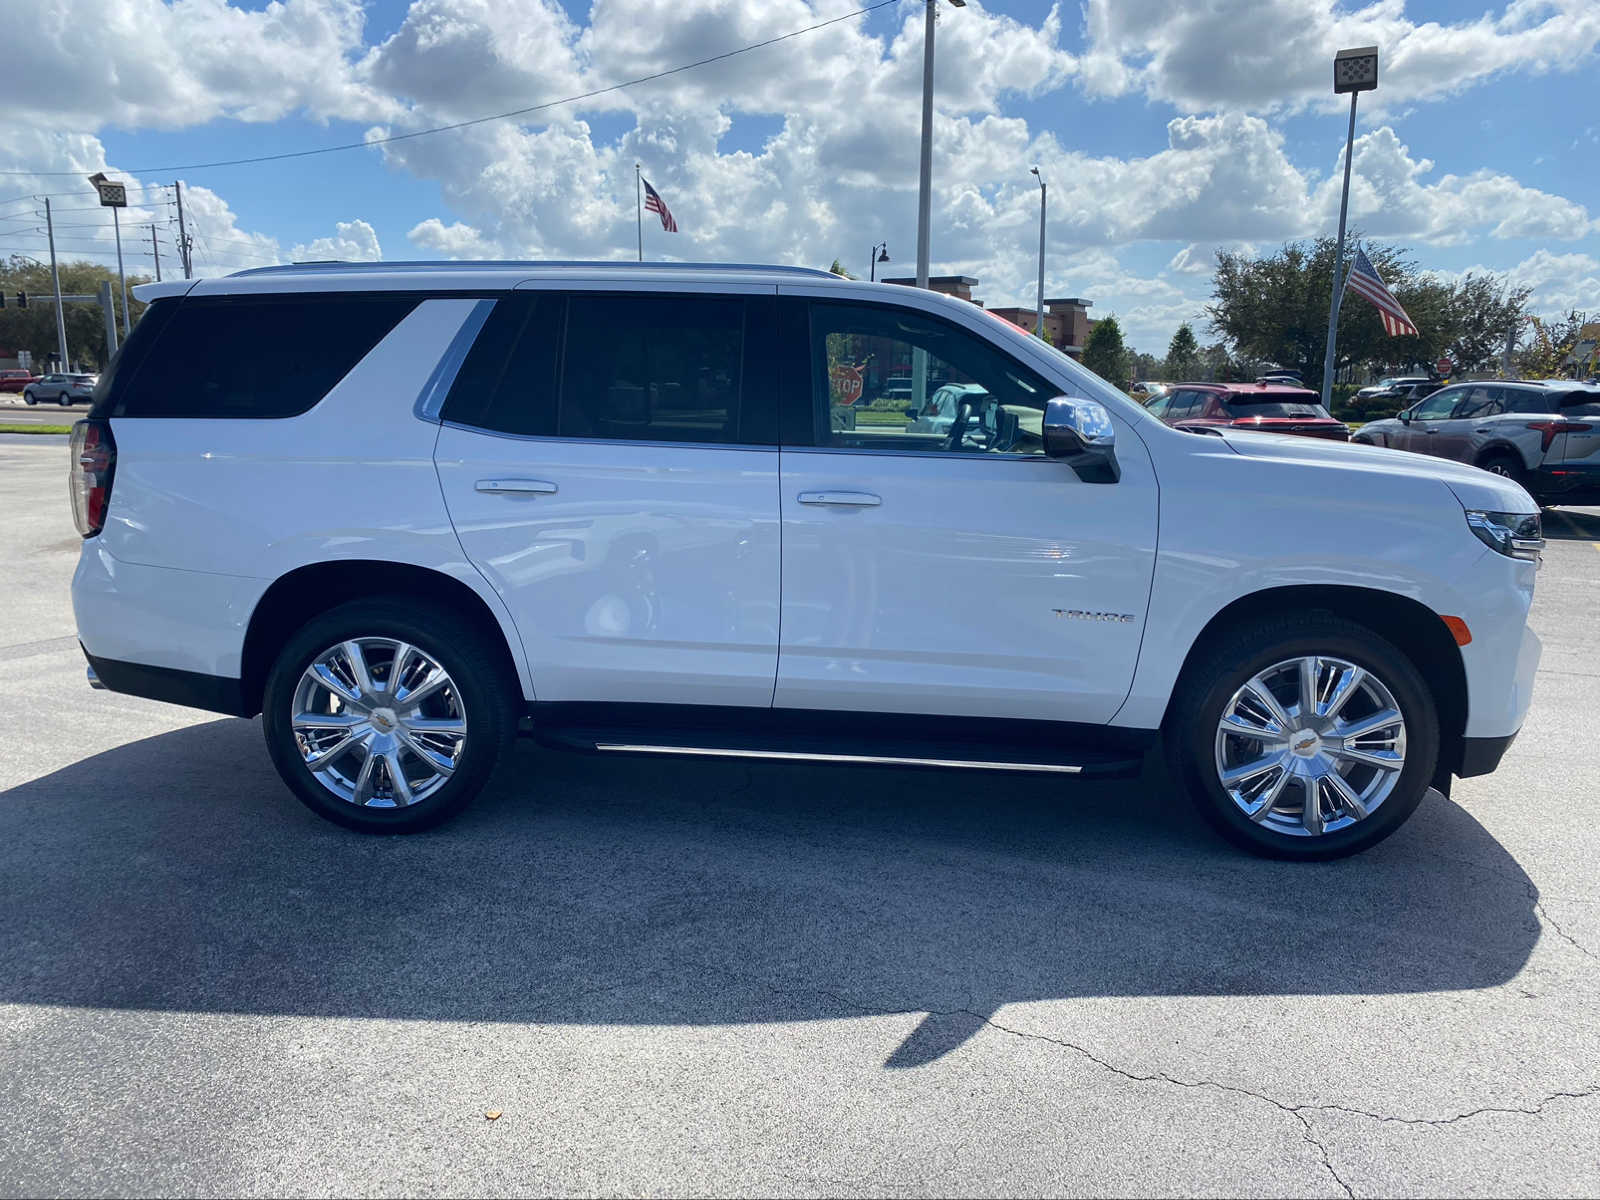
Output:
x=1499 y=448
x=299 y=595
x=1412 y=626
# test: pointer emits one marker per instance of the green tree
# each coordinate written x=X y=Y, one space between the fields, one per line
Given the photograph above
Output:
x=34 y=328
x=1104 y=353
x=1275 y=309
x=1144 y=366
x=1544 y=357
x=838 y=269
x=1183 y=355
x=1483 y=310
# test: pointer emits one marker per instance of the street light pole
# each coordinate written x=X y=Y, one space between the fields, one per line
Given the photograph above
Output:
x=880 y=254
x=919 y=357
x=1354 y=71
x=1038 y=327
x=122 y=279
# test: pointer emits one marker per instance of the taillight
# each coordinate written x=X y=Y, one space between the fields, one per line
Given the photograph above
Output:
x=94 y=461
x=1549 y=429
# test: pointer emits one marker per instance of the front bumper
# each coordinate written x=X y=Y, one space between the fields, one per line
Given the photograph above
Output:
x=1481 y=755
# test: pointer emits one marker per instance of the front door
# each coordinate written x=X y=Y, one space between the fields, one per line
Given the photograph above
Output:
x=597 y=462
x=1427 y=418
x=937 y=562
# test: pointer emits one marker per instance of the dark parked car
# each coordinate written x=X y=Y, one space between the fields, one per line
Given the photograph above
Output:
x=1545 y=434
x=1263 y=407
x=61 y=389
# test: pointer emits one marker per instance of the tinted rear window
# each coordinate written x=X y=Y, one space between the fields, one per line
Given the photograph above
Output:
x=257 y=356
x=507 y=382
x=1587 y=400
x=1274 y=406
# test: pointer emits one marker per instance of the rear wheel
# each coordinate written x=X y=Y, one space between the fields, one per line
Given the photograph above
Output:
x=387 y=716
x=1507 y=466
x=1304 y=737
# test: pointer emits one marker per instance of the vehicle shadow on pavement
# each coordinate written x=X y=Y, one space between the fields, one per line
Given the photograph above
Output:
x=177 y=873
x=1572 y=524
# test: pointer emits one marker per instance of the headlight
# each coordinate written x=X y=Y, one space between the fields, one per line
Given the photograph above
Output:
x=1516 y=535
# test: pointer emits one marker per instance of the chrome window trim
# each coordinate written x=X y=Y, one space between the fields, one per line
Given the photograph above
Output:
x=430 y=400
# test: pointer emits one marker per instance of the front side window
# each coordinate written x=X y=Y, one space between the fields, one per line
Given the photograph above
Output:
x=1438 y=406
x=897 y=381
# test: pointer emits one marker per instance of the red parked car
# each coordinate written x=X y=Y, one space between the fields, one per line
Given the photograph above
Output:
x=13 y=380
x=1263 y=407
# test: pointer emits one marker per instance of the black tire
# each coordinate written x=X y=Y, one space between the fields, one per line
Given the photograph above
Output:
x=1211 y=680
x=1506 y=464
x=64 y=400
x=488 y=696
x=27 y=398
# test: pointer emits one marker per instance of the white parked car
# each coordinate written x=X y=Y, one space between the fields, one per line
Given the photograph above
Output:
x=397 y=509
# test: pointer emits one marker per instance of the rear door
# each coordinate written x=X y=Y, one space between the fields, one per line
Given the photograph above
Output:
x=609 y=465
x=959 y=573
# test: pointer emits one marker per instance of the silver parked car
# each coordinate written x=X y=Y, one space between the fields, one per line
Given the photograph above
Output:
x=1544 y=434
x=61 y=389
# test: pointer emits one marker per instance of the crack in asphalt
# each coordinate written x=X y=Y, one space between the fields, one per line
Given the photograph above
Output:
x=1297 y=1111
x=1534 y=895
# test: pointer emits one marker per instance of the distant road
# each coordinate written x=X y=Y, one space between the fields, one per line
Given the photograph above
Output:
x=14 y=412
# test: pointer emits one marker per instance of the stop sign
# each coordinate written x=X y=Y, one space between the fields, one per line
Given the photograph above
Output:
x=1444 y=366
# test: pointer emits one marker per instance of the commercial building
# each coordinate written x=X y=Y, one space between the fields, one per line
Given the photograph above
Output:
x=1066 y=318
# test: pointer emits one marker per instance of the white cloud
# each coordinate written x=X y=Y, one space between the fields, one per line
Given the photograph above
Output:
x=353 y=241
x=1277 y=54
x=149 y=64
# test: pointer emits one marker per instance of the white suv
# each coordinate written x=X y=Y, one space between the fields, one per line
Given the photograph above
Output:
x=401 y=510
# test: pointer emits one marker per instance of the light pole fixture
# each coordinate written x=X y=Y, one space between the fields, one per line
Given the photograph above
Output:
x=880 y=254
x=1038 y=326
x=1354 y=71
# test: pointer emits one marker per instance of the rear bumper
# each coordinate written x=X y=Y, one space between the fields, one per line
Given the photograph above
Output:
x=214 y=693
x=1575 y=484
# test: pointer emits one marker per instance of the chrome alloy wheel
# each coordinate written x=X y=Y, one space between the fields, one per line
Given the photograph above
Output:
x=379 y=723
x=1310 y=746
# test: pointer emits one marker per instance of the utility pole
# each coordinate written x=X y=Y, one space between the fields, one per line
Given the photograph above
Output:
x=638 y=208
x=55 y=277
x=155 y=250
x=183 y=236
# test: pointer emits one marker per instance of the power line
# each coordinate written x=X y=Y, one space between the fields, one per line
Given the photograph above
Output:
x=516 y=112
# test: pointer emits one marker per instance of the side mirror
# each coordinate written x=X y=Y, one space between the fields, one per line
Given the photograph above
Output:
x=911 y=411
x=1404 y=416
x=1080 y=433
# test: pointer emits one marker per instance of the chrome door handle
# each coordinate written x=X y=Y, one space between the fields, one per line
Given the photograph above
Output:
x=841 y=499
x=515 y=487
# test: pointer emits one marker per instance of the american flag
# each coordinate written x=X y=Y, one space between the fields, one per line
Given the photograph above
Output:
x=1364 y=280
x=654 y=203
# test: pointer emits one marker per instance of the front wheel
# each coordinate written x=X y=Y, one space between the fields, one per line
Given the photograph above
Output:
x=388 y=715
x=1304 y=737
x=27 y=398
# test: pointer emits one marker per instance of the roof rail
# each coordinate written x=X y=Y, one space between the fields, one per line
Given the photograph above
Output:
x=470 y=264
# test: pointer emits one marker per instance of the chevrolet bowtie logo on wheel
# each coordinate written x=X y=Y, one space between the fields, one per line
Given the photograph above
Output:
x=1078 y=614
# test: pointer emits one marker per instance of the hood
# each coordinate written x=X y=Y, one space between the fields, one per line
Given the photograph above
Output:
x=1474 y=488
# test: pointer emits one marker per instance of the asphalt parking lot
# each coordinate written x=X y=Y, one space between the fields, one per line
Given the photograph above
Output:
x=714 y=978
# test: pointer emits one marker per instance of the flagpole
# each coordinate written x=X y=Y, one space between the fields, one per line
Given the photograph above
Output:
x=1338 y=263
x=638 y=209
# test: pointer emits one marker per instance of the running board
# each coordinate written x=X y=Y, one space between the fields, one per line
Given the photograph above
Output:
x=844 y=739
x=875 y=760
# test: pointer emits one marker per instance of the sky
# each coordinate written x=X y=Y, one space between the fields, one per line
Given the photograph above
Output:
x=1165 y=131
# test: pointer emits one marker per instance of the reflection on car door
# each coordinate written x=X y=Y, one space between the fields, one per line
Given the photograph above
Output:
x=1452 y=436
x=598 y=465
x=965 y=574
x=1425 y=419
